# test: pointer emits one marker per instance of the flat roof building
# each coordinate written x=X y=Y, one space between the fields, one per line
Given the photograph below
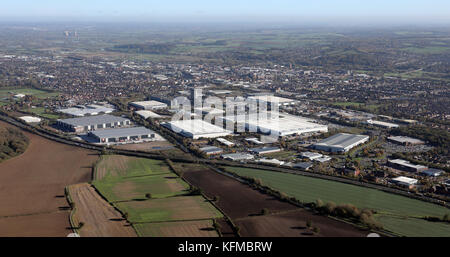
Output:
x=196 y=129
x=211 y=150
x=405 y=181
x=30 y=119
x=238 y=156
x=431 y=172
x=148 y=105
x=90 y=123
x=87 y=110
x=311 y=155
x=341 y=142
x=404 y=165
x=382 y=124
x=265 y=150
x=148 y=114
x=123 y=135
x=225 y=142
x=278 y=124
x=405 y=140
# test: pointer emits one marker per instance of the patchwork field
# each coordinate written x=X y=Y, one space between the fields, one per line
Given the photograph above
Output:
x=397 y=213
x=201 y=228
x=100 y=219
x=153 y=198
x=41 y=94
x=32 y=187
x=243 y=205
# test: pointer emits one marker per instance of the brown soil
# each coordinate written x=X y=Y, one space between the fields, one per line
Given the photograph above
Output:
x=33 y=183
x=244 y=204
x=99 y=217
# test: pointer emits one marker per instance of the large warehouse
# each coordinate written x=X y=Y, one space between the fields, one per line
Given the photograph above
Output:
x=90 y=123
x=341 y=142
x=280 y=125
x=87 y=110
x=196 y=129
x=123 y=135
x=148 y=105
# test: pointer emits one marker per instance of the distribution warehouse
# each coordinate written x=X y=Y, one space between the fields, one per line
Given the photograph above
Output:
x=148 y=105
x=341 y=142
x=275 y=124
x=89 y=123
x=81 y=110
x=196 y=129
x=123 y=135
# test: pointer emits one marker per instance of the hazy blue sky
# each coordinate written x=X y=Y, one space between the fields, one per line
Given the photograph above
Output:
x=197 y=10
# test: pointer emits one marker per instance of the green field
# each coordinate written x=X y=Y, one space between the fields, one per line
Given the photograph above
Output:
x=169 y=209
x=124 y=181
x=307 y=189
x=134 y=188
x=40 y=94
x=40 y=111
x=112 y=166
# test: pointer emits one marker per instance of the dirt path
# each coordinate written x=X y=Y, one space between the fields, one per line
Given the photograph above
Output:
x=99 y=217
x=32 y=186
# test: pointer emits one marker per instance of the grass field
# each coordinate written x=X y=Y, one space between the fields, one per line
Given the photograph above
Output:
x=124 y=181
x=40 y=111
x=112 y=166
x=308 y=189
x=169 y=209
x=201 y=228
x=135 y=188
x=40 y=94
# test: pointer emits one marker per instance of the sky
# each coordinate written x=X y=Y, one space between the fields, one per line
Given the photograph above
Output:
x=401 y=11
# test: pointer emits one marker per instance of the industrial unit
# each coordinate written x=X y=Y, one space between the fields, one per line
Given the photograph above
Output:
x=405 y=182
x=196 y=129
x=238 y=156
x=148 y=105
x=341 y=142
x=276 y=124
x=405 y=140
x=211 y=150
x=86 y=110
x=382 y=124
x=123 y=135
x=90 y=123
x=265 y=150
x=404 y=165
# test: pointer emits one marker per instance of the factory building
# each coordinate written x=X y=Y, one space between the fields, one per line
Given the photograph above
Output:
x=91 y=123
x=382 y=124
x=403 y=165
x=148 y=105
x=196 y=129
x=211 y=150
x=238 y=156
x=279 y=125
x=264 y=150
x=87 y=110
x=123 y=135
x=341 y=142
x=401 y=140
x=405 y=182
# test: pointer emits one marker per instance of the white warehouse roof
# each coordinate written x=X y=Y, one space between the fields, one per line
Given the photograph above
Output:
x=122 y=132
x=341 y=142
x=197 y=128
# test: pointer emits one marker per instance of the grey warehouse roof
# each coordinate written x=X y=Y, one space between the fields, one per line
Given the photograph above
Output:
x=93 y=120
x=122 y=132
x=342 y=140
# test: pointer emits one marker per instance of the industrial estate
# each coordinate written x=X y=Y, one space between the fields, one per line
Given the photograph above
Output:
x=122 y=131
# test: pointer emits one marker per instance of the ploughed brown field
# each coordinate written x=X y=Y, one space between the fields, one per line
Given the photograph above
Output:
x=100 y=219
x=243 y=205
x=32 y=187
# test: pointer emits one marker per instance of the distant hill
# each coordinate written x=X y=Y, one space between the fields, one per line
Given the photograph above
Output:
x=12 y=143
